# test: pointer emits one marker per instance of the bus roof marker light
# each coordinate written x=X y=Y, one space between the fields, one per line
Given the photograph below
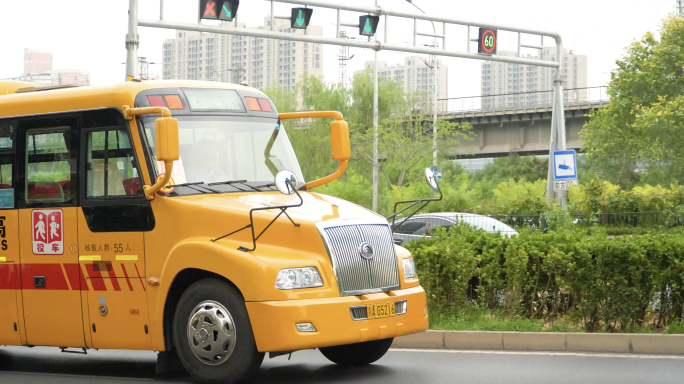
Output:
x=265 y=105
x=174 y=102
x=252 y=104
x=156 y=101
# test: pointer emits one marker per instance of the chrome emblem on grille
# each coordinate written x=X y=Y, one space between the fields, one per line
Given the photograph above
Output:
x=366 y=251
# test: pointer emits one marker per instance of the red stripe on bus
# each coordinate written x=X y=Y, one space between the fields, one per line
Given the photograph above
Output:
x=8 y=276
x=72 y=274
x=95 y=278
x=123 y=268
x=141 y=280
x=114 y=280
x=54 y=276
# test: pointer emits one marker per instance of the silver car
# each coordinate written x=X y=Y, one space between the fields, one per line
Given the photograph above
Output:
x=420 y=226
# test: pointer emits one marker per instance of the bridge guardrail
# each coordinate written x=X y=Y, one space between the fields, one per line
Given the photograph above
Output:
x=522 y=100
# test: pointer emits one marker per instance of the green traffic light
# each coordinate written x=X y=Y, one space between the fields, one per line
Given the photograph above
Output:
x=300 y=19
x=228 y=13
x=367 y=28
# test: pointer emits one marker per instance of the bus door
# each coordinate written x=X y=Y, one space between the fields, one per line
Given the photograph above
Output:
x=10 y=326
x=112 y=219
x=48 y=233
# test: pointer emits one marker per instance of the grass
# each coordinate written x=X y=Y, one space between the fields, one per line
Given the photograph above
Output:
x=479 y=319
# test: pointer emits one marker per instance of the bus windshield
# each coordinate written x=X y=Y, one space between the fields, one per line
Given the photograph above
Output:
x=216 y=149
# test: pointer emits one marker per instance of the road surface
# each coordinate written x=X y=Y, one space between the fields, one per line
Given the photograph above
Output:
x=47 y=365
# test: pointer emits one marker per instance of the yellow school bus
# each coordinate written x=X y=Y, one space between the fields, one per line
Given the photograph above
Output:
x=173 y=216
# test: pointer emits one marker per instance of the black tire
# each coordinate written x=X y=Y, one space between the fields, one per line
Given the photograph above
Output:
x=357 y=354
x=244 y=358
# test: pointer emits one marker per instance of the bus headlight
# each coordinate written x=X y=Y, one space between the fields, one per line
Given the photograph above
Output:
x=409 y=268
x=294 y=278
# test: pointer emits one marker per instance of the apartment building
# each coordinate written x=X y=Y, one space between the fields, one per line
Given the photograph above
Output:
x=414 y=76
x=235 y=59
x=519 y=85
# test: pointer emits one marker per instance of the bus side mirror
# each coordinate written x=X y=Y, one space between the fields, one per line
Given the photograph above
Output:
x=166 y=139
x=339 y=135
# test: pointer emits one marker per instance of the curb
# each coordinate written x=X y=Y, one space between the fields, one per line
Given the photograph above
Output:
x=544 y=342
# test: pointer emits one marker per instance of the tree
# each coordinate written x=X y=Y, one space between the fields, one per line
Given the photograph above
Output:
x=643 y=123
x=311 y=139
x=516 y=167
x=405 y=141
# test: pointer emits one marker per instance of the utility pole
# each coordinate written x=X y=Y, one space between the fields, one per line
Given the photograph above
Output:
x=435 y=85
x=433 y=82
x=680 y=8
x=143 y=68
x=376 y=164
x=343 y=57
x=237 y=74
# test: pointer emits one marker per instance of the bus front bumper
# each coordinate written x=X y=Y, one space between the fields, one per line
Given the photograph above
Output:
x=274 y=322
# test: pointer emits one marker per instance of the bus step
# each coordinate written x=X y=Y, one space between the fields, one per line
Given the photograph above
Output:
x=81 y=352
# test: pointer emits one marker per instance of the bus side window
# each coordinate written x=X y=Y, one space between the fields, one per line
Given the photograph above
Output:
x=110 y=165
x=48 y=166
x=7 y=128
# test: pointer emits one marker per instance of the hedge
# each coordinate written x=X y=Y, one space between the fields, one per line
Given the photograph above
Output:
x=606 y=284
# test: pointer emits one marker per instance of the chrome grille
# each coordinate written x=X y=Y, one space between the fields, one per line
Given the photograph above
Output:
x=355 y=274
x=361 y=312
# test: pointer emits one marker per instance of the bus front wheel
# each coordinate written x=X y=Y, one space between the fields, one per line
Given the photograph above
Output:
x=357 y=354
x=213 y=335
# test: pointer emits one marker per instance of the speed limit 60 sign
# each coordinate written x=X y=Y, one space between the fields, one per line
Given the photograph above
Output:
x=487 y=41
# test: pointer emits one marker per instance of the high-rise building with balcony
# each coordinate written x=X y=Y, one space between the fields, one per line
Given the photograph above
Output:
x=232 y=58
x=519 y=85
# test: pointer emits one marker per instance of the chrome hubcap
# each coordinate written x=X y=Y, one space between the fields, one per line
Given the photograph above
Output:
x=211 y=333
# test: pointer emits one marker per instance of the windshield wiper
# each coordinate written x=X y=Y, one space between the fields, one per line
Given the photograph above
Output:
x=271 y=185
x=192 y=186
x=231 y=182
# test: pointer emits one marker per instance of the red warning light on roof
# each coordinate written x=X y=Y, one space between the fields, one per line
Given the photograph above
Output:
x=265 y=105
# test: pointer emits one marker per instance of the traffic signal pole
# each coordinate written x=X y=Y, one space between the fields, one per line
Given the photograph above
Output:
x=558 y=119
x=558 y=137
x=132 y=41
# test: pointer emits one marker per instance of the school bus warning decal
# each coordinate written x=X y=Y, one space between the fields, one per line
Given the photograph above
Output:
x=48 y=231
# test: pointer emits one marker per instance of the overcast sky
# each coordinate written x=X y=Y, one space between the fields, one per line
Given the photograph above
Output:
x=90 y=35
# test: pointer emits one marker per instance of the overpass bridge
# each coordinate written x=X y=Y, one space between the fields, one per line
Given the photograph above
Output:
x=519 y=122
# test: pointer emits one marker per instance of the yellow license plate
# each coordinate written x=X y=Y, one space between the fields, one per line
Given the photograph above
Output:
x=377 y=311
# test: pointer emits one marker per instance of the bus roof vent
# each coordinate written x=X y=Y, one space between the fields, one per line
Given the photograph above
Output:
x=9 y=87
x=48 y=88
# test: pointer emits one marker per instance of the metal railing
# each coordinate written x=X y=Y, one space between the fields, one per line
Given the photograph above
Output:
x=523 y=100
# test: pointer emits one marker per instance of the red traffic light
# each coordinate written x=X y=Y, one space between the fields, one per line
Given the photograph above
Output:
x=225 y=10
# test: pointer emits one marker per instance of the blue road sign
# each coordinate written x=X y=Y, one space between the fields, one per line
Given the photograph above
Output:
x=565 y=165
x=436 y=171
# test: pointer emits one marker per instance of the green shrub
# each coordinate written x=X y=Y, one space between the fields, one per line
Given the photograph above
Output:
x=601 y=283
